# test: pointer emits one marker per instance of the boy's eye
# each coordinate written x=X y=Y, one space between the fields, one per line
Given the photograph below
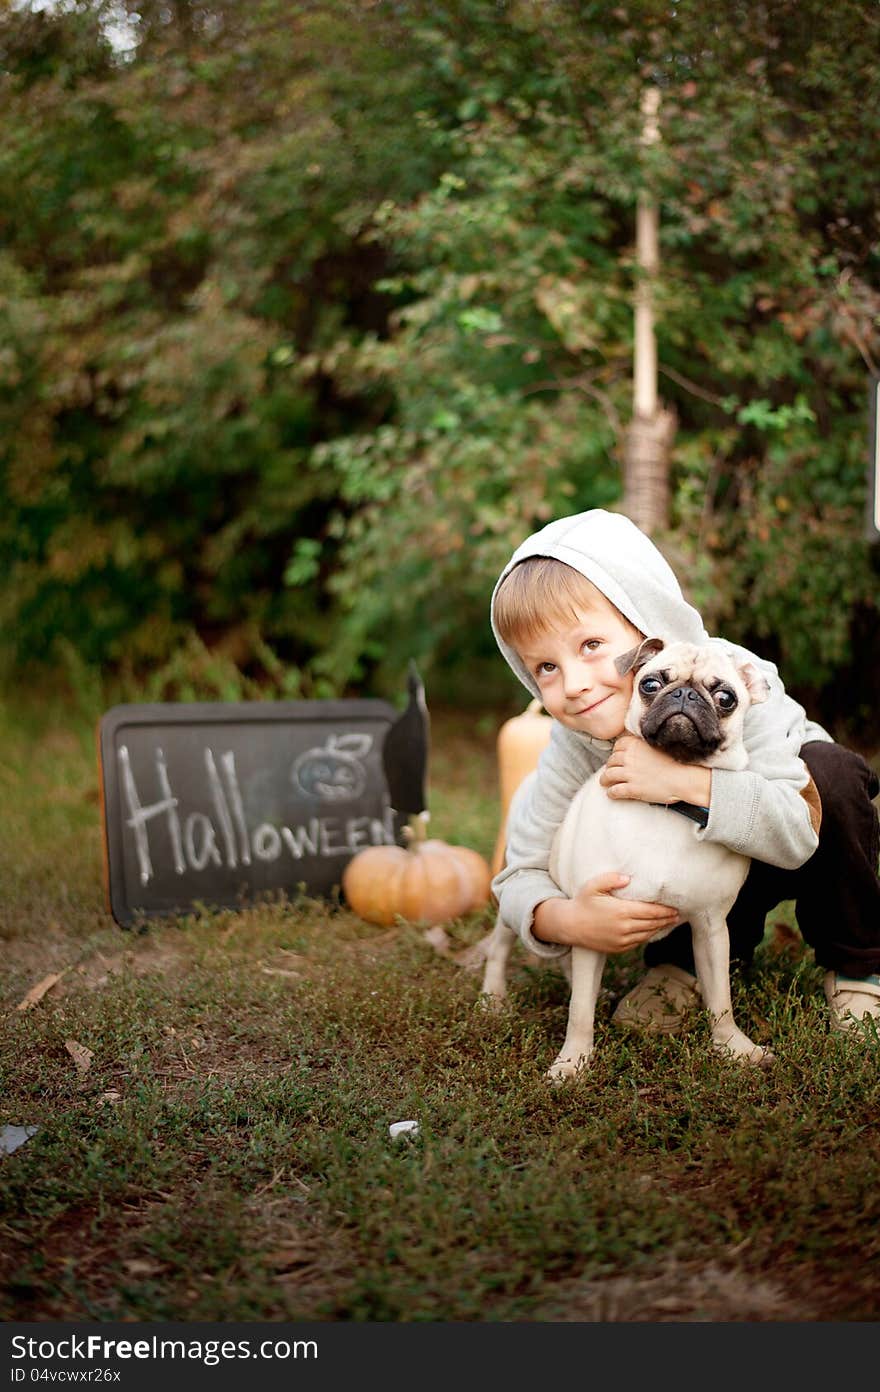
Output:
x=544 y=669
x=592 y=644
x=649 y=686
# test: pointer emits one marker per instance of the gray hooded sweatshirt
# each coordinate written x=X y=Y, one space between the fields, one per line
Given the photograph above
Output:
x=763 y=812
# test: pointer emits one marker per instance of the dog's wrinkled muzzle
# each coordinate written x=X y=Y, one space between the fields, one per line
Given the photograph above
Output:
x=682 y=723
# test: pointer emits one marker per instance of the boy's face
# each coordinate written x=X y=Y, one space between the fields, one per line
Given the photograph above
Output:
x=574 y=668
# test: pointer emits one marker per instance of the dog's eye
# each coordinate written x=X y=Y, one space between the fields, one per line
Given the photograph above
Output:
x=725 y=699
x=649 y=686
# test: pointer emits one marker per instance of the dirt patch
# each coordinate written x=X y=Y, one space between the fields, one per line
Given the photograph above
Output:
x=197 y=1058
x=32 y=959
x=103 y=1264
x=680 y=1292
x=150 y=958
x=48 y=952
x=309 y=1265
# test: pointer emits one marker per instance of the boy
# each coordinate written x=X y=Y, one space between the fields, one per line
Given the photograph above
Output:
x=574 y=596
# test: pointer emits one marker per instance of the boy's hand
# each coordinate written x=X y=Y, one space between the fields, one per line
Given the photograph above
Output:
x=636 y=770
x=597 y=918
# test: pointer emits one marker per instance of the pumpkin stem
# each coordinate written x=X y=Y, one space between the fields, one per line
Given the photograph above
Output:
x=416 y=830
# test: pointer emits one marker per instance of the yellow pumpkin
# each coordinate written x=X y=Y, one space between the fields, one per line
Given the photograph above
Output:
x=425 y=882
x=521 y=741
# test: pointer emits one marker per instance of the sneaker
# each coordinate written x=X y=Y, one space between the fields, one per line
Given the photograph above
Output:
x=852 y=1000
x=660 y=1003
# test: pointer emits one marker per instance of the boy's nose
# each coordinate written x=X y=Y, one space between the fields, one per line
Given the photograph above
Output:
x=575 y=680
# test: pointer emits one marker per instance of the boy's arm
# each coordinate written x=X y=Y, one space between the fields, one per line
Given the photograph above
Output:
x=536 y=813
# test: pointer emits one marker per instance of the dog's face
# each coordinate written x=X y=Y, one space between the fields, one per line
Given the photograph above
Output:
x=691 y=702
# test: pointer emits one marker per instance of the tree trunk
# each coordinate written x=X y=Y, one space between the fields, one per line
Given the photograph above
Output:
x=649 y=439
x=647 y=450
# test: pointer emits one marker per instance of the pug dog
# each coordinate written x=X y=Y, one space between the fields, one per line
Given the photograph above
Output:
x=691 y=703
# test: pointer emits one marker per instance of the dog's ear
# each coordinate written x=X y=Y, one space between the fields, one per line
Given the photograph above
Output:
x=637 y=657
x=755 y=682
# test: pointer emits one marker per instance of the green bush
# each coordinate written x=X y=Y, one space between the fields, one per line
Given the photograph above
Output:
x=308 y=316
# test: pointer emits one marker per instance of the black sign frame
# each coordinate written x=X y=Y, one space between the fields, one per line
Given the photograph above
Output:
x=219 y=803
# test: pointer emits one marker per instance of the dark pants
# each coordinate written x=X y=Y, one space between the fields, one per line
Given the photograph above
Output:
x=836 y=892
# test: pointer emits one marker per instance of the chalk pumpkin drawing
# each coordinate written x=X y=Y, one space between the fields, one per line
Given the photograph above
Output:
x=334 y=772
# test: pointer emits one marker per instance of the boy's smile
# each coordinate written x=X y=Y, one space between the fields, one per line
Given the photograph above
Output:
x=573 y=666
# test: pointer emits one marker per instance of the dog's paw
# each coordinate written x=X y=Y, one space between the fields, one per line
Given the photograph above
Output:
x=755 y=1057
x=493 y=1002
x=471 y=959
x=758 y=1057
x=739 y=1047
x=566 y=1067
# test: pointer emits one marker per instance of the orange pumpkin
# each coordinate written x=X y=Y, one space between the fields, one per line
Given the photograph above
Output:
x=521 y=741
x=425 y=882
x=477 y=869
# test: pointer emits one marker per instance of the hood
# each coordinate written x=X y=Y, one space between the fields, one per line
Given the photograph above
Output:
x=624 y=564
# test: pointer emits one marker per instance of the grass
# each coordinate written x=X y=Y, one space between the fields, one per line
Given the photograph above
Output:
x=227 y=1155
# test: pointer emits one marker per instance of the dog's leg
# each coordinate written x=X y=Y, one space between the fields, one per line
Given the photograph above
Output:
x=498 y=947
x=712 y=958
x=586 y=977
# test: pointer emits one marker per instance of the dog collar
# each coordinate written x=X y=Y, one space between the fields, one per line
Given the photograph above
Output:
x=700 y=815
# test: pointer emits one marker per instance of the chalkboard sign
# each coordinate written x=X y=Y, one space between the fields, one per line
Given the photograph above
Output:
x=218 y=803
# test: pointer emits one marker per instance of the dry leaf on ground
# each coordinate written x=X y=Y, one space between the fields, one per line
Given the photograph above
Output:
x=81 y=1056
x=36 y=993
x=137 y=1266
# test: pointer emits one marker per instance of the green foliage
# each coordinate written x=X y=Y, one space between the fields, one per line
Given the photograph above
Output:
x=491 y=436
x=510 y=355
x=178 y=227
x=309 y=314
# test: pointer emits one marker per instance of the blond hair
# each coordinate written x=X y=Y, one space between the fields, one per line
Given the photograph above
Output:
x=541 y=593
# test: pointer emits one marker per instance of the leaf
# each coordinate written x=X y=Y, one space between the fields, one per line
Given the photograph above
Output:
x=81 y=1056
x=137 y=1266
x=293 y=957
x=36 y=993
x=305 y=562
